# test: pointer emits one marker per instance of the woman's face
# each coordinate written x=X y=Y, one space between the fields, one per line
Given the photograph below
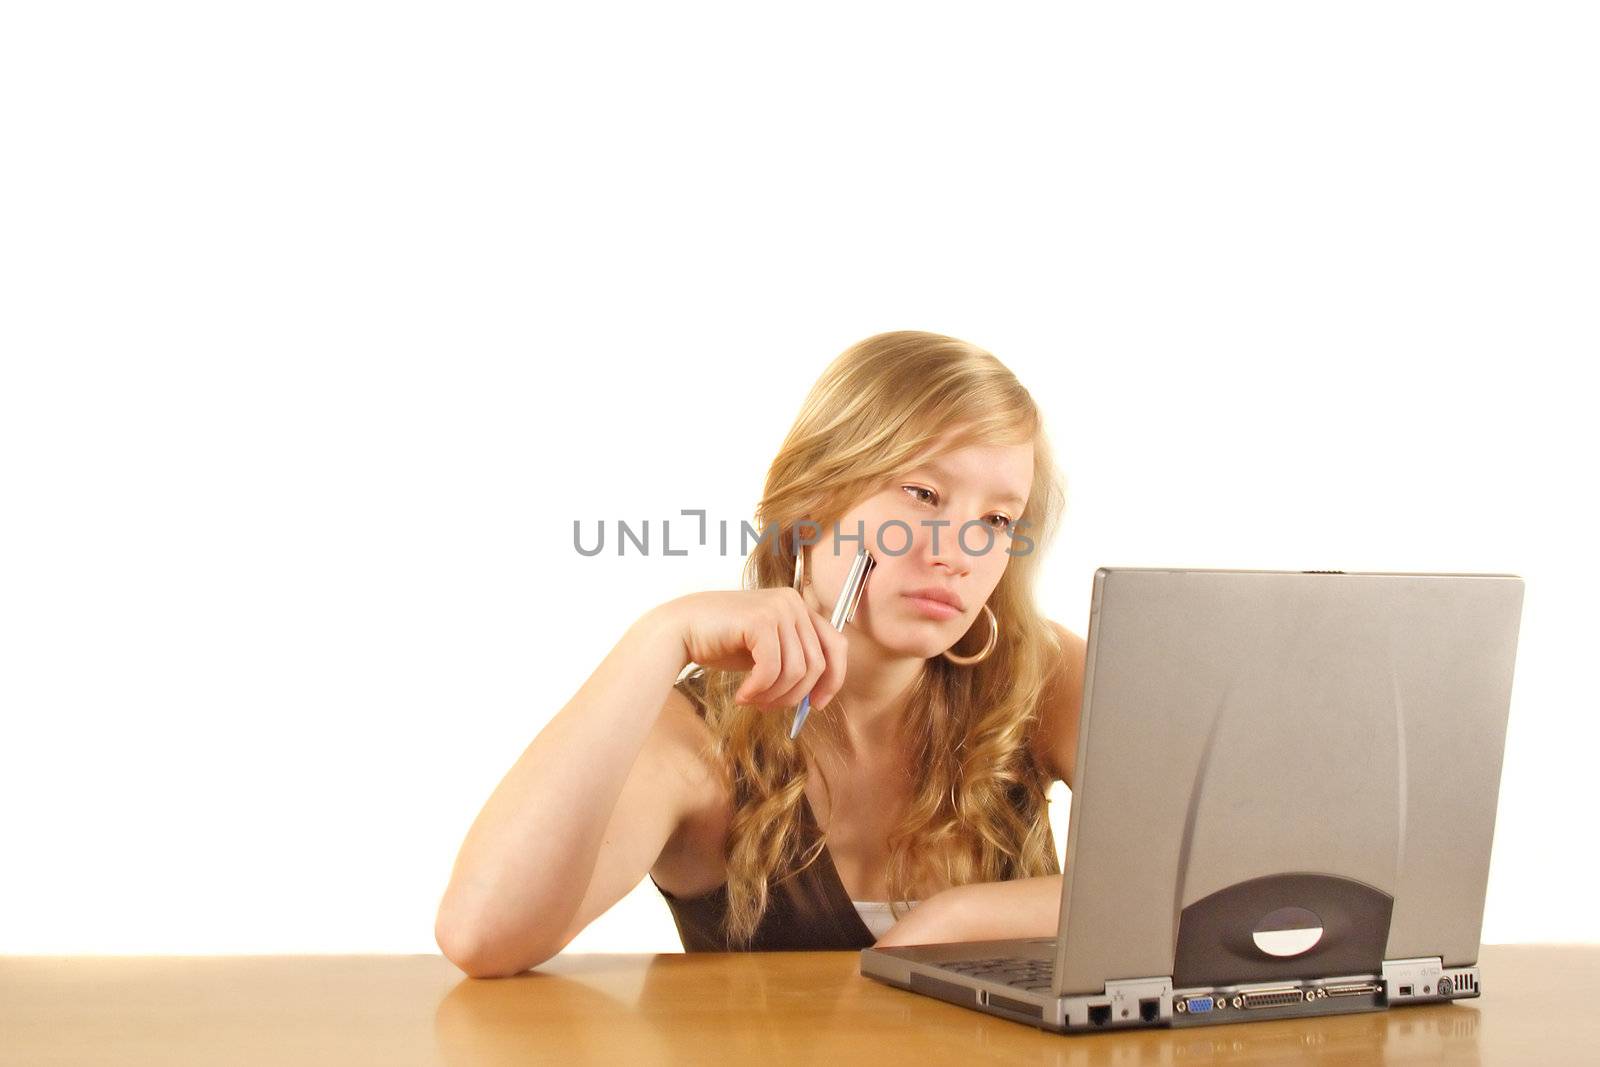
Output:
x=923 y=510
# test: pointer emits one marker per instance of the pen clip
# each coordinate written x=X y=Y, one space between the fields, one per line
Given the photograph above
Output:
x=856 y=584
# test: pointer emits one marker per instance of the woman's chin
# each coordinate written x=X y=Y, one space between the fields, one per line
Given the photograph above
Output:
x=924 y=642
x=911 y=635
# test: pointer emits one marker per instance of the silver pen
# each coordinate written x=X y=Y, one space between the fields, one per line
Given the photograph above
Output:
x=844 y=609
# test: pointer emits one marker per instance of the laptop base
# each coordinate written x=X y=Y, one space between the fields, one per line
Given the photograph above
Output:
x=967 y=975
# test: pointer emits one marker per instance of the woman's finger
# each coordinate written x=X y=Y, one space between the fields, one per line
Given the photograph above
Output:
x=835 y=648
x=767 y=652
x=811 y=651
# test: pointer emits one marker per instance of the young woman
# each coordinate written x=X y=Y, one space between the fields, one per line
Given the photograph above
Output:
x=911 y=808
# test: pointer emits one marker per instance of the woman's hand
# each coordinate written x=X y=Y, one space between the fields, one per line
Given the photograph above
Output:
x=789 y=649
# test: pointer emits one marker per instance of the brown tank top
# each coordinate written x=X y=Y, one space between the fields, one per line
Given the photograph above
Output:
x=810 y=911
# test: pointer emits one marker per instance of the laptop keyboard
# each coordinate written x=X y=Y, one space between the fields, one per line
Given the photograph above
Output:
x=1032 y=975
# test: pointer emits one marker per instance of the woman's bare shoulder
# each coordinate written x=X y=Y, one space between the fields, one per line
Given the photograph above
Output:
x=1055 y=740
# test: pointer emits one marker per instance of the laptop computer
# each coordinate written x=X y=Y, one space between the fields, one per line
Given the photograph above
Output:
x=1285 y=799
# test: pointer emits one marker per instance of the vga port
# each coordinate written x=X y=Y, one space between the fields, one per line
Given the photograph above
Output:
x=1199 y=1004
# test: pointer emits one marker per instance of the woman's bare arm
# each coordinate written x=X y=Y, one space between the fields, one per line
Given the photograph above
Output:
x=602 y=790
x=982 y=911
x=600 y=777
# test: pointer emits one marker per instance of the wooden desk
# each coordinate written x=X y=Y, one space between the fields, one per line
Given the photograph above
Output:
x=762 y=1008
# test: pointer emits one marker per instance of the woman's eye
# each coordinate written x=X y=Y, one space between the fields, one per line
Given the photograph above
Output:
x=915 y=489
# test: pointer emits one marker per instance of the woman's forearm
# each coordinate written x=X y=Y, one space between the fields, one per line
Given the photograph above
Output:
x=1022 y=907
x=982 y=911
x=530 y=854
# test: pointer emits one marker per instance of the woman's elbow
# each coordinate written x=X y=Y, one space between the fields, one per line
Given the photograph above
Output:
x=483 y=957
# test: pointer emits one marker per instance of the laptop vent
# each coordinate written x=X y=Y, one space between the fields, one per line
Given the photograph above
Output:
x=1461 y=985
x=966 y=996
x=1022 y=1007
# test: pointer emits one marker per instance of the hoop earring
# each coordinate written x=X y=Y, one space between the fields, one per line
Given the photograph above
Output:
x=994 y=639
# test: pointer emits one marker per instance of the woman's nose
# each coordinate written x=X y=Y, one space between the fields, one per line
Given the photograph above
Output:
x=941 y=548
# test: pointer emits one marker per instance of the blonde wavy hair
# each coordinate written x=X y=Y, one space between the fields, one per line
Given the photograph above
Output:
x=979 y=806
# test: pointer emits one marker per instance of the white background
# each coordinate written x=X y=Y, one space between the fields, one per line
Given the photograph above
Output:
x=322 y=322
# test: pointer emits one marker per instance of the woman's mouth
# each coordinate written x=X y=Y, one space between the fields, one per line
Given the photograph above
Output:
x=933 y=609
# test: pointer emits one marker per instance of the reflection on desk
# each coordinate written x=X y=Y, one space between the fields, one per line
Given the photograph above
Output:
x=779 y=1007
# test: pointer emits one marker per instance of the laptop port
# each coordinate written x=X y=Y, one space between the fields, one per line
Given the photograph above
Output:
x=1405 y=991
x=1150 y=1009
x=1353 y=989
x=1196 y=1005
x=1099 y=1014
x=1273 y=998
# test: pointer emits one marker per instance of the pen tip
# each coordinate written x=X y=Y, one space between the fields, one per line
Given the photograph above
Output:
x=800 y=717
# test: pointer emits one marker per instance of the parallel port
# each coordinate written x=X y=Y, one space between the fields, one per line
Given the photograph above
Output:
x=1272 y=998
